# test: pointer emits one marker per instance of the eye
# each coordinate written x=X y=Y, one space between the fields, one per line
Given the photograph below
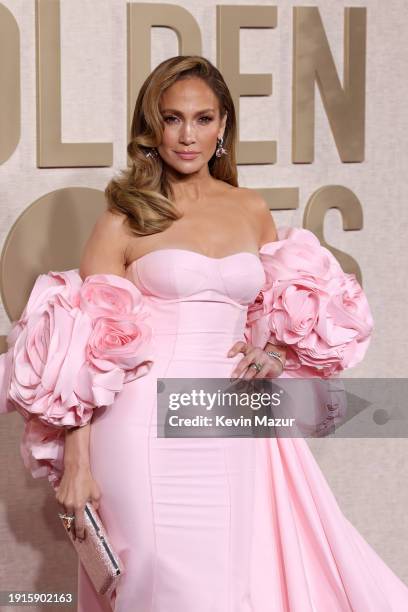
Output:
x=206 y=119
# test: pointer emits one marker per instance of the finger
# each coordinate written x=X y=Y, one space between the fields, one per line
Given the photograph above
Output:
x=264 y=371
x=70 y=511
x=80 y=523
x=252 y=372
x=274 y=368
x=96 y=495
x=236 y=348
x=59 y=497
x=257 y=356
x=269 y=367
x=245 y=362
x=95 y=502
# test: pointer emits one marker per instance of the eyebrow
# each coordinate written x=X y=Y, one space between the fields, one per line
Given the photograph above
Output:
x=176 y=112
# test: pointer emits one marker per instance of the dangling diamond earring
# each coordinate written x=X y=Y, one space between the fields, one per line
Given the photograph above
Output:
x=152 y=153
x=220 y=149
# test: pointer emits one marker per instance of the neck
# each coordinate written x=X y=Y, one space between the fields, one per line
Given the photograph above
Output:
x=192 y=187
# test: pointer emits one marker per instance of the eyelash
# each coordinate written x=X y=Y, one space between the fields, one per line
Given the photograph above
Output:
x=174 y=117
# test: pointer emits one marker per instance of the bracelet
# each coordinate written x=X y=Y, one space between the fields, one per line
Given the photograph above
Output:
x=277 y=356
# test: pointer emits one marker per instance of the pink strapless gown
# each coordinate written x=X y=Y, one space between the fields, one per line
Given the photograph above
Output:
x=218 y=524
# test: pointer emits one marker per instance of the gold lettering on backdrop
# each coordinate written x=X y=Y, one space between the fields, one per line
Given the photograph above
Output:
x=141 y=18
x=313 y=62
x=230 y=19
x=280 y=198
x=9 y=84
x=51 y=152
x=349 y=206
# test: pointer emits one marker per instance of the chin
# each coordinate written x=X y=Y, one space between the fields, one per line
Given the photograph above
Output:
x=186 y=167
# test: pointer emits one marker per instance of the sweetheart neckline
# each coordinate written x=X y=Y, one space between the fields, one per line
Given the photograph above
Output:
x=194 y=253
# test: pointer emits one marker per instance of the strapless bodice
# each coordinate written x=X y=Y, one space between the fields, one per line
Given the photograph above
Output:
x=188 y=292
x=178 y=274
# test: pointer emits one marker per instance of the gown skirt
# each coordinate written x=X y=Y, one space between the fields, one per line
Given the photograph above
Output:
x=218 y=524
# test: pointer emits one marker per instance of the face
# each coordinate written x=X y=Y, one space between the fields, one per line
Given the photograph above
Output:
x=192 y=124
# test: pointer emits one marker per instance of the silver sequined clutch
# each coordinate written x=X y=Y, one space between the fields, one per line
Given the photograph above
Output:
x=95 y=552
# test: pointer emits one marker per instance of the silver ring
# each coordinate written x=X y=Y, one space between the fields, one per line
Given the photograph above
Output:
x=66 y=516
x=258 y=366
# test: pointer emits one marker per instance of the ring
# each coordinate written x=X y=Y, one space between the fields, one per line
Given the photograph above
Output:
x=257 y=366
x=67 y=518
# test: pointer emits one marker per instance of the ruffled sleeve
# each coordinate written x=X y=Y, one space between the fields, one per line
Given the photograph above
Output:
x=75 y=346
x=309 y=305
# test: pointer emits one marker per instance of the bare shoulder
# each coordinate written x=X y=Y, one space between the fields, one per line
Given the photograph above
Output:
x=105 y=249
x=251 y=198
x=260 y=211
x=108 y=222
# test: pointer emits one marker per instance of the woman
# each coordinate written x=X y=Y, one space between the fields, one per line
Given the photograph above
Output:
x=205 y=524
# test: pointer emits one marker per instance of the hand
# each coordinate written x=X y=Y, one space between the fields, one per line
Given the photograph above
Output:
x=76 y=488
x=253 y=354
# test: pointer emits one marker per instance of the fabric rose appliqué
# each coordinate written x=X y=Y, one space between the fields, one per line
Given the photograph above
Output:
x=74 y=347
x=311 y=306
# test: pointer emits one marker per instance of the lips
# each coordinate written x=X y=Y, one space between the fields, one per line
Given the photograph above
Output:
x=186 y=154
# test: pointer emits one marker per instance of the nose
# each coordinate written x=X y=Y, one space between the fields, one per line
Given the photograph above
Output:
x=187 y=134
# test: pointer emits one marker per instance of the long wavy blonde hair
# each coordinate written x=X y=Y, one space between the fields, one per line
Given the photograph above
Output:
x=142 y=191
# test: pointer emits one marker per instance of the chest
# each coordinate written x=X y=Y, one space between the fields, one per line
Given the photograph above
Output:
x=212 y=231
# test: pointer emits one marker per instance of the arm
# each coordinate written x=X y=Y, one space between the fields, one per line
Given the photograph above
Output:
x=266 y=229
x=268 y=233
x=78 y=367
x=104 y=253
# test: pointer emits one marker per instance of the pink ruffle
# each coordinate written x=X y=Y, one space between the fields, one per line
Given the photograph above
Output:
x=74 y=347
x=311 y=306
